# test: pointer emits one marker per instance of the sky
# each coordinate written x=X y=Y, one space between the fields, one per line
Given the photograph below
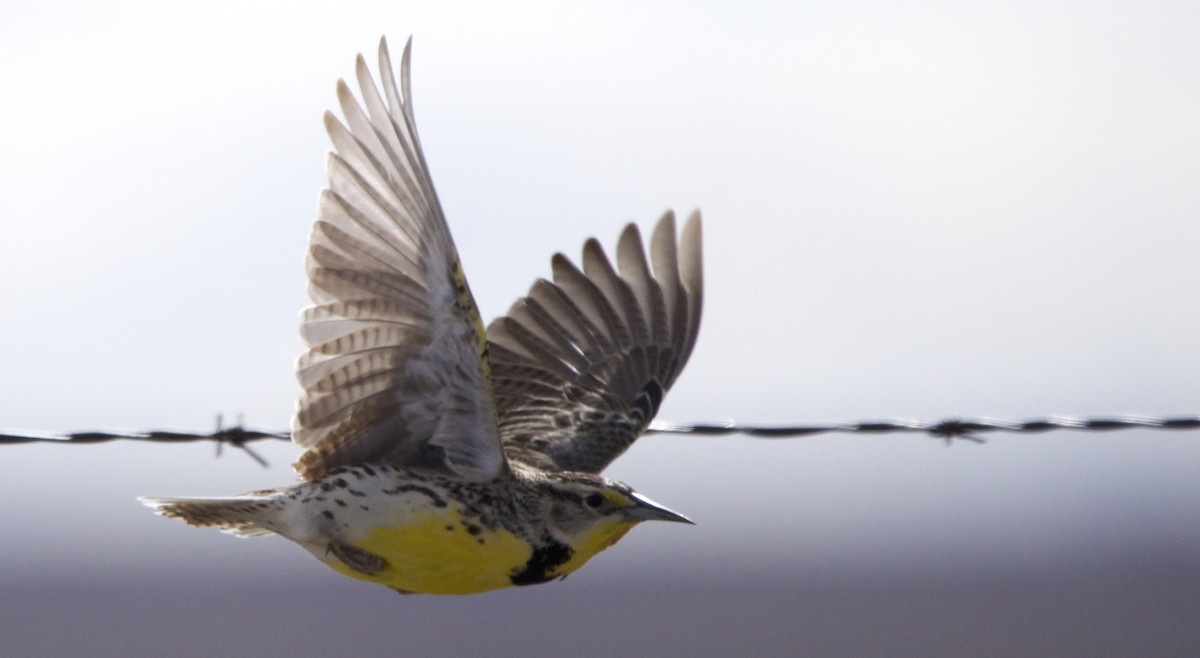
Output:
x=912 y=210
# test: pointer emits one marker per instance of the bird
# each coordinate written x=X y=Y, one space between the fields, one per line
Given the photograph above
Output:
x=442 y=456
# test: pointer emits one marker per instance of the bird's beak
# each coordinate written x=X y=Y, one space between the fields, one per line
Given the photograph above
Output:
x=648 y=510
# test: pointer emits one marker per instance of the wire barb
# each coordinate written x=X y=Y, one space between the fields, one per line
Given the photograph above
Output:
x=236 y=437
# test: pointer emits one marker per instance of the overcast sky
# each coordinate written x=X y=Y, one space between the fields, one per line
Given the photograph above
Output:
x=913 y=210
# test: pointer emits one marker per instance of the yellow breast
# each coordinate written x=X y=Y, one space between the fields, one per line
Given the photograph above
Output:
x=434 y=553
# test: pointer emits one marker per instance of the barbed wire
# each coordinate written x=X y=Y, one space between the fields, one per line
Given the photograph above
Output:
x=949 y=429
x=239 y=436
x=236 y=436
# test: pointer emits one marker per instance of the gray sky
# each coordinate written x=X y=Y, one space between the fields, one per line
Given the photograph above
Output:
x=912 y=210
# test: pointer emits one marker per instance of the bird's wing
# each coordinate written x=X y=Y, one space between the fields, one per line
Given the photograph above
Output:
x=396 y=370
x=581 y=364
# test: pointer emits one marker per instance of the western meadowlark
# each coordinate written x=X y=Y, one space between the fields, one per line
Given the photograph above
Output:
x=441 y=457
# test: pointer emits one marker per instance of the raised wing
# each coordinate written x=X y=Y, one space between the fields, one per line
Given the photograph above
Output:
x=396 y=369
x=581 y=365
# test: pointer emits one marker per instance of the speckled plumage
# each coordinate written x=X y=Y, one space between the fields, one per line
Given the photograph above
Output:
x=441 y=456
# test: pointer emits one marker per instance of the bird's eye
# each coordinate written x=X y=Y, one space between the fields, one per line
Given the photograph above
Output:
x=594 y=500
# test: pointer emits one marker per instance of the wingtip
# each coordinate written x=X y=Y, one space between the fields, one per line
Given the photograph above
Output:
x=692 y=239
x=385 y=50
x=694 y=219
x=406 y=56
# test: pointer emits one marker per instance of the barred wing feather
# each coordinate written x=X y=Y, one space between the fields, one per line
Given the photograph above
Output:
x=396 y=369
x=582 y=363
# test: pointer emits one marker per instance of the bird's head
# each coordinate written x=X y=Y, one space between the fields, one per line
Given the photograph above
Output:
x=589 y=513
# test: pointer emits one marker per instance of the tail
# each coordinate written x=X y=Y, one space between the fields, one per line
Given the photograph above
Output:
x=246 y=516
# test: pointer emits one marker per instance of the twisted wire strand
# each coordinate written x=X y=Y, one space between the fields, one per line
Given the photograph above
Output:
x=948 y=429
x=236 y=436
x=239 y=436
